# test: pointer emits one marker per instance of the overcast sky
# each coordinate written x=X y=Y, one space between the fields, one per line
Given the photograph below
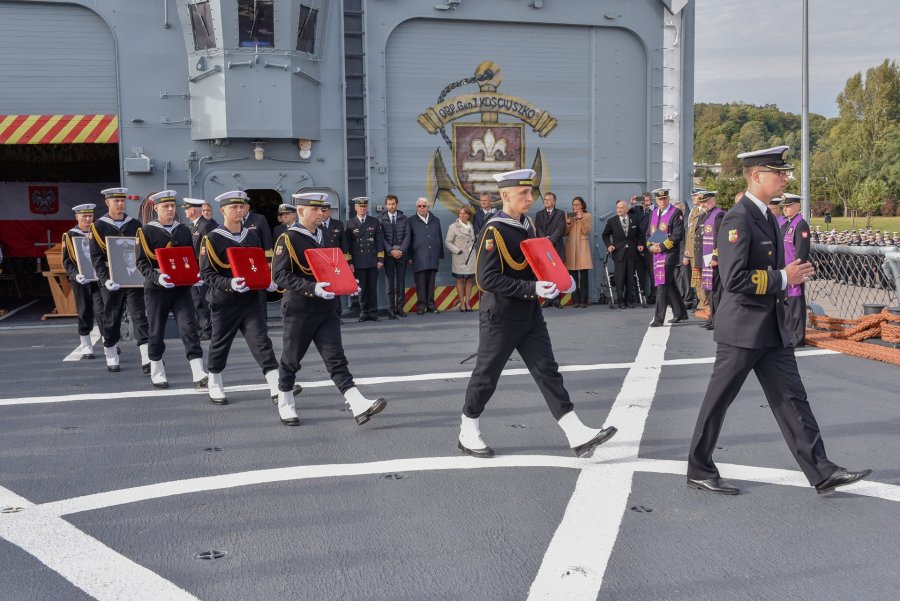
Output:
x=751 y=51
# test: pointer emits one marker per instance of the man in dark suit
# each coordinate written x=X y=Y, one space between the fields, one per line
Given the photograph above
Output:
x=200 y=226
x=667 y=223
x=621 y=239
x=482 y=214
x=426 y=245
x=551 y=223
x=641 y=211
x=255 y=221
x=752 y=334
x=396 y=252
x=365 y=252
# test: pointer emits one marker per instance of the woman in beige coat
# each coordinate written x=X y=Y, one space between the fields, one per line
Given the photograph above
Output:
x=460 y=240
x=578 y=249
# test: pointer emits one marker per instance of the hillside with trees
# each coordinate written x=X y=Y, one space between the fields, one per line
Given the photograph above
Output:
x=854 y=157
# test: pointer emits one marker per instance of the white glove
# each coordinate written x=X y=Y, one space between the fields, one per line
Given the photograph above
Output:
x=200 y=281
x=238 y=285
x=571 y=287
x=272 y=287
x=81 y=279
x=321 y=292
x=163 y=281
x=111 y=286
x=546 y=290
x=358 y=289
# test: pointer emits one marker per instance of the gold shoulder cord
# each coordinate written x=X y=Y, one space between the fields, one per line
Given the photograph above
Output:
x=96 y=236
x=293 y=254
x=145 y=246
x=504 y=252
x=70 y=248
x=213 y=257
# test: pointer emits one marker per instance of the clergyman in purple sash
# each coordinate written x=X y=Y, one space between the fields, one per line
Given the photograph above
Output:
x=663 y=237
x=796 y=246
x=709 y=224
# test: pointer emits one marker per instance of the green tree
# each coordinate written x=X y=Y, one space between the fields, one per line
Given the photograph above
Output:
x=868 y=197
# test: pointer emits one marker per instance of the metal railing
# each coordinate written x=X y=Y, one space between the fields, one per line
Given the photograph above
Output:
x=848 y=277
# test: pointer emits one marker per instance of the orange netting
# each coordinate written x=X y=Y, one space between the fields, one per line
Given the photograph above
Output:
x=847 y=335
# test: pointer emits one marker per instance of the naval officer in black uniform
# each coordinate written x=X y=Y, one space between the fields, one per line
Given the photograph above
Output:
x=162 y=296
x=309 y=315
x=200 y=226
x=510 y=320
x=233 y=306
x=752 y=334
x=365 y=253
x=117 y=223
x=88 y=300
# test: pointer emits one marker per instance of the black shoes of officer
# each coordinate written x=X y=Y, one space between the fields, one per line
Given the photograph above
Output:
x=420 y=311
x=655 y=324
x=712 y=485
x=678 y=319
x=376 y=408
x=392 y=314
x=602 y=436
x=840 y=477
x=400 y=312
x=483 y=453
x=707 y=325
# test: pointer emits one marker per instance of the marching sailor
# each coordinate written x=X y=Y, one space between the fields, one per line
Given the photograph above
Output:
x=511 y=319
x=233 y=305
x=117 y=223
x=88 y=300
x=162 y=296
x=309 y=315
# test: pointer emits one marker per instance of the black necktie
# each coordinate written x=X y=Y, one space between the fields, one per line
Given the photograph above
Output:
x=772 y=224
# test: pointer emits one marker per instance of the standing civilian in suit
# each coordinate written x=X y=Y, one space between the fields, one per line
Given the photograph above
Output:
x=621 y=239
x=365 y=253
x=255 y=221
x=333 y=237
x=396 y=252
x=578 y=250
x=427 y=249
x=482 y=214
x=551 y=223
x=200 y=226
x=795 y=233
x=669 y=221
x=752 y=334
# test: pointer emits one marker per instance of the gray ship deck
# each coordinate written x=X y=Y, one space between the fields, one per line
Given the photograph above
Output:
x=120 y=486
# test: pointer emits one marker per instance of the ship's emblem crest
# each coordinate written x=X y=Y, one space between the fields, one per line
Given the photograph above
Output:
x=482 y=148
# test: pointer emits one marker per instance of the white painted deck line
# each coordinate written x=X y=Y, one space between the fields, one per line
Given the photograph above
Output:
x=17 y=309
x=810 y=352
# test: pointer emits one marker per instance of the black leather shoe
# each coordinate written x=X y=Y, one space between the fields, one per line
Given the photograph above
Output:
x=297 y=390
x=291 y=421
x=840 y=477
x=145 y=369
x=709 y=326
x=420 y=311
x=484 y=453
x=204 y=337
x=621 y=305
x=629 y=306
x=392 y=316
x=363 y=318
x=87 y=356
x=160 y=384
x=113 y=368
x=201 y=384
x=376 y=408
x=222 y=401
x=712 y=485
x=583 y=450
x=655 y=324
x=401 y=313
x=678 y=319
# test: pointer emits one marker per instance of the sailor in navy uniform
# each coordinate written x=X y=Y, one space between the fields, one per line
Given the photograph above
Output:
x=795 y=234
x=162 y=296
x=88 y=300
x=309 y=315
x=117 y=223
x=510 y=320
x=200 y=226
x=233 y=306
x=752 y=334
x=365 y=253
x=669 y=220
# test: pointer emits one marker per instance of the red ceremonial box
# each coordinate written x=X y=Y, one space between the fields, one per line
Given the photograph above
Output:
x=329 y=265
x=545 y=262
x=250 y=263
x=180 y=264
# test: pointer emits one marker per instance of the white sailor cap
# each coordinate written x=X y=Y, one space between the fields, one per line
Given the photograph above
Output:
x=773 y=158
x=312 y=199
x=361 y=200
x=660 y=193
x=194 y=203
x=234 y=197
x=519 y=177
x=115 y=193
x=163 y=197
x=702 y=195
x=285 y=208
x=85 y=208
x=790 y=199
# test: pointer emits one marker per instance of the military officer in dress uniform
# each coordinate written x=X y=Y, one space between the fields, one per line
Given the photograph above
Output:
x=255 y=221
x=333 y=237
x=200 y=226
x=88 y=300
x=287 y=216
x=365 y=253
x=511 y=319
x=670 y=221
x=796 y=246
x=117 y=223
x=233 y=305
x=706 y=252
x=162 y=296
x=752 y=334
x=309 y=314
